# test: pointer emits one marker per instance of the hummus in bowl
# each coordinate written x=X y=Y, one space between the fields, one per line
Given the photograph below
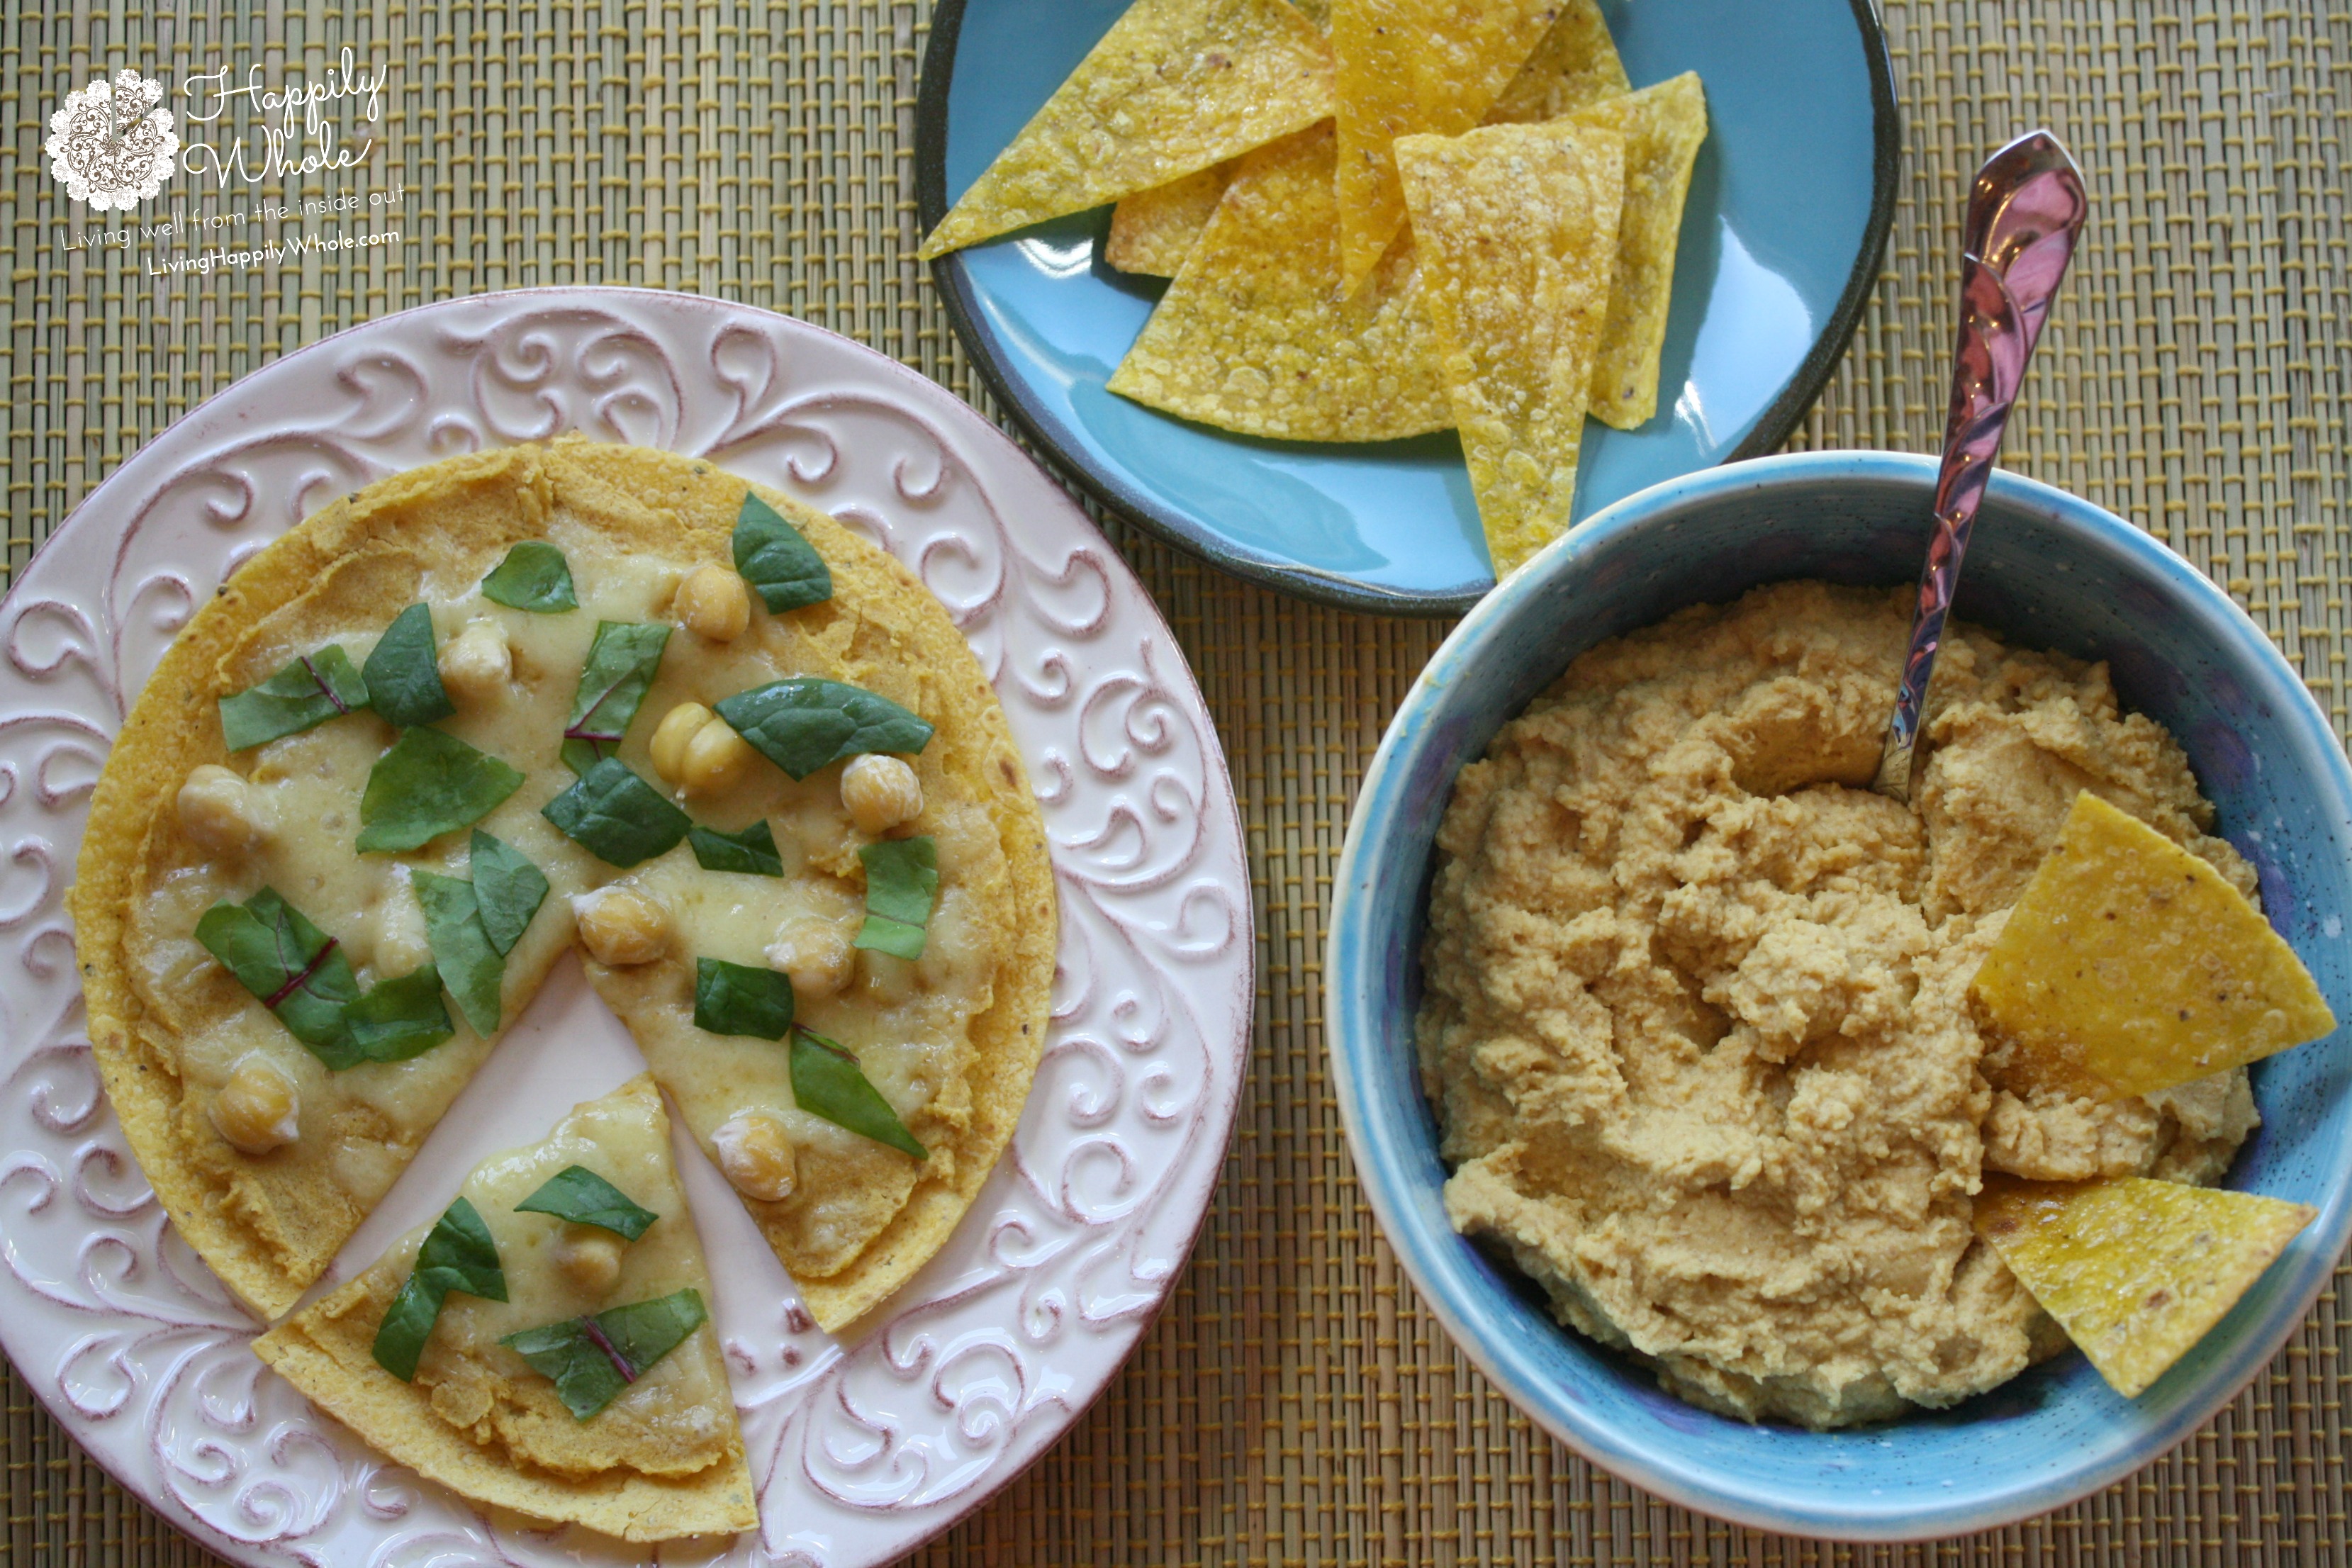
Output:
x=1886 y=1437
x=1696 y=1013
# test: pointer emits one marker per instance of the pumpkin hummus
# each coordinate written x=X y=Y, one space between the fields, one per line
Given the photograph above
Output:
x=1696 y=1016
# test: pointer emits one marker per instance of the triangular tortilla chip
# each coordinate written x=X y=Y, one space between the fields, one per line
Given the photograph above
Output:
x=2136 y=1271
x=1408 y=66
x=1516 y=227
x=1662 y=126
x=1574 y=66
x=1254 y=336
x=664 y=1460
x=1151 y=232
x=2130 y=958
x=1174 y=87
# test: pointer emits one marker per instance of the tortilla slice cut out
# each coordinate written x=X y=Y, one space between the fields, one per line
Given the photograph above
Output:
x=1174 y=87
x=1254 y=336
x=2130 y=958
x=662 y=1460
x=1151 y=232
x=1406 y=67
x=2136 y=1271
x=1662 y=126
x=1575 y=65
x=1516 y=227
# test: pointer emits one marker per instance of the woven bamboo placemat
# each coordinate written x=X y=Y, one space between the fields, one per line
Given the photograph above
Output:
x=1295 y=1404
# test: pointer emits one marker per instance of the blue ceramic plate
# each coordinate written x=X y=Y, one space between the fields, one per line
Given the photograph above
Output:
x=1789 y=212
x=2047 y=571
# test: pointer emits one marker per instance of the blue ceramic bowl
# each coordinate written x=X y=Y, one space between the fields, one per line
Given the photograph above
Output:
x=1788 y=216
x=2046 y=570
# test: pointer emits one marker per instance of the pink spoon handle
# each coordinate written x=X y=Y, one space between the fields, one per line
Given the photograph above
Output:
x=2025 y=213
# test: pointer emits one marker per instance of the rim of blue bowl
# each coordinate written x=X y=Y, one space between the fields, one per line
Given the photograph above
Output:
x=1441 y=1267
x=950 y=274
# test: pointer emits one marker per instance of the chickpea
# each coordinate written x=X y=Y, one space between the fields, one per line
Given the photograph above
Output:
x=622 y=926
x=713 y=603
x=815 y=954
x=678 y=726
x=714 y=759
x=879 y=792
x=402 y=945
x=477 y=664
x=220 y=812
x=755 y=1153
x=258 y=1110
x=589 y=1259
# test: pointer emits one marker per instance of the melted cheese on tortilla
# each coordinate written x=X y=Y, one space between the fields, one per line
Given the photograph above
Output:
x=909 y=1021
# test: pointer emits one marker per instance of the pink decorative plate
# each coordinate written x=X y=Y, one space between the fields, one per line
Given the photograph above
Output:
x=863 y=1448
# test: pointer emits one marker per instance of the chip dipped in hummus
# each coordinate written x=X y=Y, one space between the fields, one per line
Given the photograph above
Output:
x=483 y=712
x=1699 y=1018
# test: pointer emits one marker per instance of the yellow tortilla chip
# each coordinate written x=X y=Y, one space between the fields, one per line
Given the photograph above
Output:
x=1574 y=66
x=1254 y=336
x=1175 y=86
x=1516 y=227
x=1410 y=67
x=2136 y=1271
x=2130 y=958
x=1662 y=126
x=1151 y=232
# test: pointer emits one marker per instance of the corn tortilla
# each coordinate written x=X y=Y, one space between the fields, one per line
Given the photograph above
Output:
x=1151 y=232
x=1254 y=336
x=269 y=1225
x=1174 y=87
x=2131 y=959
x=1407 y=67
x=478 y=1419
x=1516 y=225
x=1575 y=65
x=1662 y=126
x=2136 y=1271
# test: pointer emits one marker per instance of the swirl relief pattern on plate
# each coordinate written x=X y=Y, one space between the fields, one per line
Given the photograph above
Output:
x=862 y=1447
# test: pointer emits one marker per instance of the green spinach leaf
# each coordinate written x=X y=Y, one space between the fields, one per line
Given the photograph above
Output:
x=532 y=577
x=400 y=1018
x=804 y=724
x=737 y=999
x=471 y=965
x=295 y=969
x=579 y=1194
x=457 y=1255
x=592 y=1359
x=430 y=782
x=902 y=880
x=508 y=888
x=617 y=817
x=403 y=672
x=828 y=1082
x=315 y=687
x=621 y=663
x=781 y=566
x=752 y=851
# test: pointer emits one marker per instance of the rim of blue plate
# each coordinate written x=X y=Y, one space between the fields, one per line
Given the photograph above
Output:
x=1037 y=422
x=1445 y=1272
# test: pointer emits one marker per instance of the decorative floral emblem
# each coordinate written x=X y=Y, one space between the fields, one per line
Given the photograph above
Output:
x=113 y=144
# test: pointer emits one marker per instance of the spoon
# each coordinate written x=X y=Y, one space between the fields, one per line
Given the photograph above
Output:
x=2025 y=213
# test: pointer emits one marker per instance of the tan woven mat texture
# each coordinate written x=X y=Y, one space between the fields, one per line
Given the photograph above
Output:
x=1296 y=1405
